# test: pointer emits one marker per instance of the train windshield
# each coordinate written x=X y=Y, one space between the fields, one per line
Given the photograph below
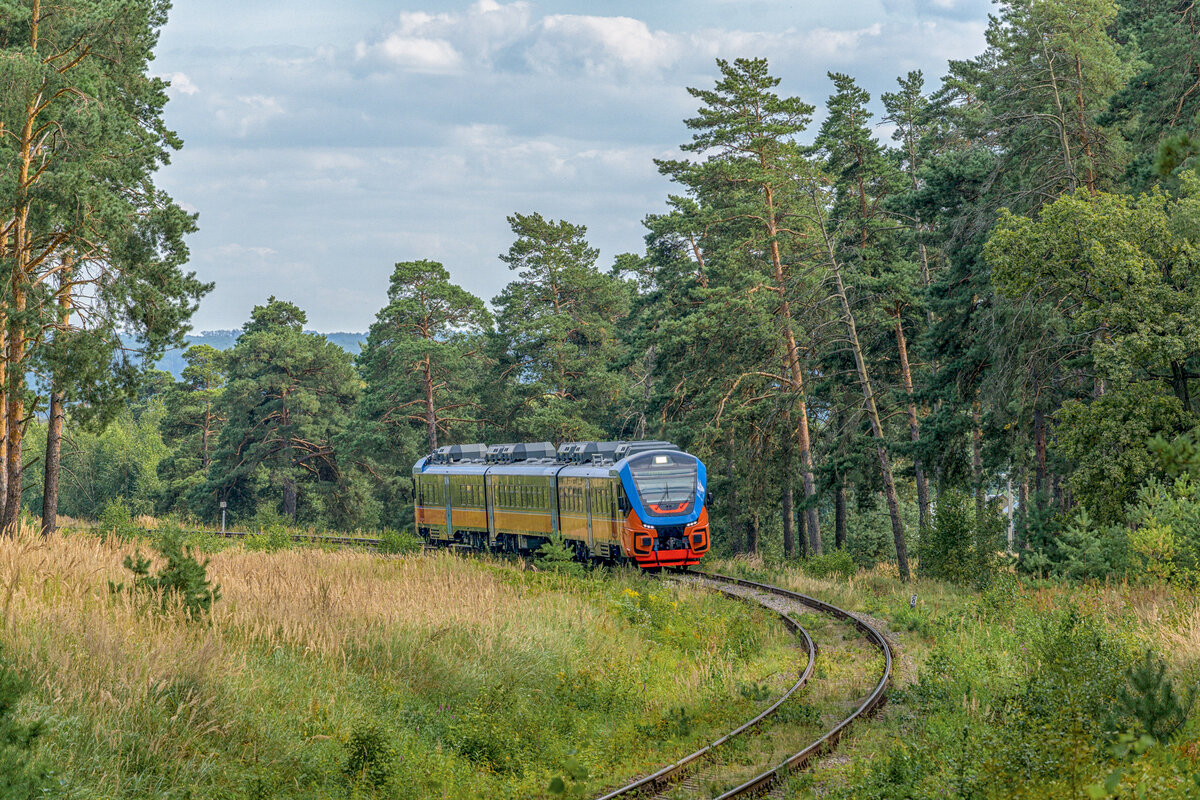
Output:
x=666 y=482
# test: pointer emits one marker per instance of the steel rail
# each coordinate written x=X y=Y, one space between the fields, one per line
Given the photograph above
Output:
x=671 y=771
x=874 y=700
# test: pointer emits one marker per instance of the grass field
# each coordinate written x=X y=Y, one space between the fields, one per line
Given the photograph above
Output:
x=349 y=674
x=1011 y=691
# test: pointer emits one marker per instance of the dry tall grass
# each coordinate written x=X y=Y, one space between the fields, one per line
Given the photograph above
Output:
x=294 y=629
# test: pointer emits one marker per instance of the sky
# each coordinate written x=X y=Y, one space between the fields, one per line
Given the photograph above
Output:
x=325 y=141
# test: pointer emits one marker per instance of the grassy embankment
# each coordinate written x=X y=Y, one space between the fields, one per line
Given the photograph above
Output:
x=349 y=674
x=1012 y=691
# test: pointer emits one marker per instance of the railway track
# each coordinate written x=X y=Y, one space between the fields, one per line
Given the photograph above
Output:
x=691 y=774
x=687 y=771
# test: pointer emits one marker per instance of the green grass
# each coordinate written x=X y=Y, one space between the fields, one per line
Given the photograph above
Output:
x=350 y=674
x=1009 y=692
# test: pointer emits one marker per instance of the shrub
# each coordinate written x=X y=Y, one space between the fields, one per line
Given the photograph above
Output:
x=116 y=520
x=834 y=564
x=21 y=775
x=182 y=578
x=1151 y=701
x=369 y=758
x=556 y=556
x=398 y=542
x=960 y=546
x=1165 y=542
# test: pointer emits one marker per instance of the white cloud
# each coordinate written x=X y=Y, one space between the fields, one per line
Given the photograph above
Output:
x=420 y=55
x=600 y=43
x=334 y=160
x=180 y=84
x=235 y=250
x=425 y=42
x=245 y=114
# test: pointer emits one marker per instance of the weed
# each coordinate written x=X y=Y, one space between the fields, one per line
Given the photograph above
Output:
x=398 y=542
x=369 y=758
x=834 y=564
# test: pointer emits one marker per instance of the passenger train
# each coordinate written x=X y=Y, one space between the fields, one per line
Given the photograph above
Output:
x=640 y=501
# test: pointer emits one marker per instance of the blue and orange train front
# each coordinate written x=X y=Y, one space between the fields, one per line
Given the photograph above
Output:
x=667 y=522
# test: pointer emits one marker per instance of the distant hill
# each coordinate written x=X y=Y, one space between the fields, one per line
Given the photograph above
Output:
x=172 y=361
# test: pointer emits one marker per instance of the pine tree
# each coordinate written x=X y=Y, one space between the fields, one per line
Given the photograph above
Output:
x=288 y=397
x=191 y=427
x=80 y=216
x=744 y=187
x=422 y=367
x=556 y=328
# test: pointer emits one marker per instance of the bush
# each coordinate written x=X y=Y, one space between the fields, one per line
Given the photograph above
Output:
x=398 y=542
x=834 y=564
x=369 y=759
x=556 y=556
x=183 y=578
x=116 y=520
x=1165 y=543
x=1151 y=702
x=960 y=546
x=21 y=775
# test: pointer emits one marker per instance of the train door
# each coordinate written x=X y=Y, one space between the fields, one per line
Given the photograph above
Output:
x=553 y=490
x=449 y=506
x=587 y=502
x=490 y=506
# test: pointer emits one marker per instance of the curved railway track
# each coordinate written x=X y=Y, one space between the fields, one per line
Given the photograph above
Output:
x=663 y=779
x=660 y=781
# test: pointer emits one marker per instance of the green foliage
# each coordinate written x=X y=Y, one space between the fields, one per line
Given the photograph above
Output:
x=837 y=564
x=116 y=521
x=369 y=759
x=556 y=555
x=960 y=546
x=398 y=542
x=190 y=426
x=1165 y=541
x=288 y=398
x=182 y=579
x=1074 y=546
x=1152 y=702
x=422 y=371
x=120 y=461
x=565 y=784
x=556 y=333
x=1104 y=441
x=23 y=776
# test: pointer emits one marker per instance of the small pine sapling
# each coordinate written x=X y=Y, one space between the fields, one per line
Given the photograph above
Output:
x=183 y=576
x=1151 y=700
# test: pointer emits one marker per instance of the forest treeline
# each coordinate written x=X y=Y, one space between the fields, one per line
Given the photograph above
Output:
x=1004 y=297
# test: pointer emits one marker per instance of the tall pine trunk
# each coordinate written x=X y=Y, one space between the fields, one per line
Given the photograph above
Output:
x=977 y=459
x=914 y=425
x=430 y=408
x=752 y=536
x=839 y=517
x=15 y=344
x=3 y=413
x=804 y=438
x=54 y=431
x=789 y=522
x=54 y=424
x=864 y=380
